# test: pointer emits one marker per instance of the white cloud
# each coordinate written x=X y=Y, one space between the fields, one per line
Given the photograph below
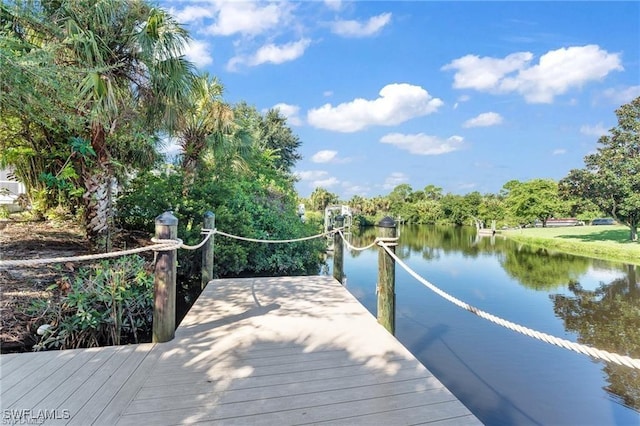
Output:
x=197 y=52
x=192 y=13
x=423 y=144
x=349 y=188
x=596 y=130
x=271 y=53
x=311 y=174
x=559 y=151
x=473 y=72
x=325 y=183
x=395 y=179
x=353 y=28
x=557 y=71
x=485 y=119
x=317 y=178
x=622 y=96
x=397 y=103
x=327 y=93
x=324 y=156
x=461 y=99
x=291 y=112
x=247 y=18
x=333 y=4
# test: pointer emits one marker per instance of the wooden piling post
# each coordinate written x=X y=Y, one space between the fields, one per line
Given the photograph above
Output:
x=164 y=289
x=387 y=278
x=338 y=251
x=209 y=222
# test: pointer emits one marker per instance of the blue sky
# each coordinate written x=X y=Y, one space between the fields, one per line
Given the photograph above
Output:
x=462 y=95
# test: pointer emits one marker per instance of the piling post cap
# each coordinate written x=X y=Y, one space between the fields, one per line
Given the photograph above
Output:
x=387 y=222
x=167 y=218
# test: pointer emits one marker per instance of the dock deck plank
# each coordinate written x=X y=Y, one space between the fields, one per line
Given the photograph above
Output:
x=286 y=350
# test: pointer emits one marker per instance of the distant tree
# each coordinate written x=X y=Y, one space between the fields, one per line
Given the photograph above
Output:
x=534 y=199
x=472 y=202
x=400 y=195
x=321 y=198
x=491 y=208
x=433 y=192
x=611 y=177
x=356 y=203
x=454 y=209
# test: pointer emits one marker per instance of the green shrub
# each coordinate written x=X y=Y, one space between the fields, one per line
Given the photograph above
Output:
x=4 y=212
x=243 y=207
x=110 y=303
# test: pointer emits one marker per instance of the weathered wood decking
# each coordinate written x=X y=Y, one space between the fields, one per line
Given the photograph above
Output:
x=253 y=351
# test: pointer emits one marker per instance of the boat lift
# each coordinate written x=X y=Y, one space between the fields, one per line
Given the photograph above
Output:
x=330 y=215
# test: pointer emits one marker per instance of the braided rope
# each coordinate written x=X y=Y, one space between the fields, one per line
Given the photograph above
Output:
x=577 y=347
x=161 y=245
x=255 y=240
x=181 y=245
x=392 y=241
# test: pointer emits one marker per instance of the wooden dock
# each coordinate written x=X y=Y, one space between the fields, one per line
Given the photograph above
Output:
x=256 y=351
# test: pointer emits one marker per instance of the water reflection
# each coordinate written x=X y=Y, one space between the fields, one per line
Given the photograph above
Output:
x=608 y=318
x=590 y=301
x=540 y=269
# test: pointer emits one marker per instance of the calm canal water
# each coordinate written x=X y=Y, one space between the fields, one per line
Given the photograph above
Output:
x=503 y=377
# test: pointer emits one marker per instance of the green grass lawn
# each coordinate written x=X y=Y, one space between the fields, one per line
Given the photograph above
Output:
x=609 y=242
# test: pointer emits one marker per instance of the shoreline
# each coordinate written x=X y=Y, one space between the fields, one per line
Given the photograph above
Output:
x=599 y=242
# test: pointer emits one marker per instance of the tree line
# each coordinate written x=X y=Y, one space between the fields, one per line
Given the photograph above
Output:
x=608 y=185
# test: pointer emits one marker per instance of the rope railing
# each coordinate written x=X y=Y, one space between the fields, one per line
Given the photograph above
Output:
x=385 y=243
x=293 y=240
x=376 y=241
x=159 y=245
x=576 y=347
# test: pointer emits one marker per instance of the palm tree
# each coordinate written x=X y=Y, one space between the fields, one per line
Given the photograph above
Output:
x=205 y=124
x=131 y=69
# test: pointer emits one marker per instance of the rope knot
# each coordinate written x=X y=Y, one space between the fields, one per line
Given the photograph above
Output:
x=387 y=241
x=162 y=244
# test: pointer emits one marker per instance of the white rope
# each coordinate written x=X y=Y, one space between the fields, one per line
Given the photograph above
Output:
x=207 y=232
x=392 y=241
x=161 y=245
x=255 y=240
x=583 y=349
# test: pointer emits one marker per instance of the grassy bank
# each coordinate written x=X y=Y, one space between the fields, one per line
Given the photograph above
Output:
x=602 y=242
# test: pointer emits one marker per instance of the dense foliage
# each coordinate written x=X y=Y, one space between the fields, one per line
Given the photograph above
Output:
x=109 y=73
x=105 y=304
x=243 y=207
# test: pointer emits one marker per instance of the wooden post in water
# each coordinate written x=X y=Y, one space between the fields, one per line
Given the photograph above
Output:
x=164 y=286
x=338 y=251
x=207 y=250
x=387 y=278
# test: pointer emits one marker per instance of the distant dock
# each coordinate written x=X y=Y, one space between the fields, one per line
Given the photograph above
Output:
x=254 y=351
